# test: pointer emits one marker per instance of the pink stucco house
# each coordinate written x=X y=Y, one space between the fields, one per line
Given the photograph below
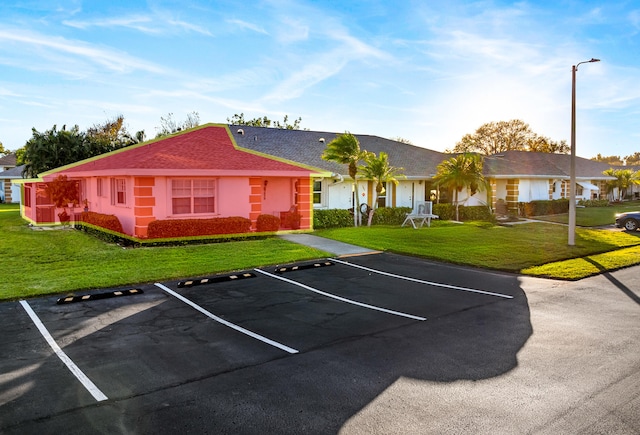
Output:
x=198 y=173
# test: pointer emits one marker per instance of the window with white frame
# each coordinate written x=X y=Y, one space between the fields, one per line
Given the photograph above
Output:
x=118 y=191
x=193 y=196
x=317 y=192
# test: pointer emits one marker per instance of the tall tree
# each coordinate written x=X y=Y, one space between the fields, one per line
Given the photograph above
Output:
x=624 y=179
x=463 y=171
x=633 y=159
x=4 y=151
x=379 y=171
x=498 y=137
x=110 y=136
x=345 y=150
x=53 y=148
x=265 y=122
x=168 y=125
x=612 y=160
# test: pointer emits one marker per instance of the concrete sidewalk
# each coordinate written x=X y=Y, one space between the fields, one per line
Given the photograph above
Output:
x=339 y=249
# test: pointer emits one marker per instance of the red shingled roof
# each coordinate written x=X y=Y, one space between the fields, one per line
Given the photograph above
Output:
x=205 y=148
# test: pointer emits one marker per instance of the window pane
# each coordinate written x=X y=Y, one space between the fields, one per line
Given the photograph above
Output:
x=181 y=188
x=204 y=204
x=203 y=188
x=317 y=198
x=181 y=205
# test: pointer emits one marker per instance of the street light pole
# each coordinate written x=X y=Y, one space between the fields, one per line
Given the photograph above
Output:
x=572 y=170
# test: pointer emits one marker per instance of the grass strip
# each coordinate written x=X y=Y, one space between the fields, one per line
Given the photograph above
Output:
x=579 y=268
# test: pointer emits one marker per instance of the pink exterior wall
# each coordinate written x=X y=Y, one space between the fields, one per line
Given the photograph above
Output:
x=149 y=198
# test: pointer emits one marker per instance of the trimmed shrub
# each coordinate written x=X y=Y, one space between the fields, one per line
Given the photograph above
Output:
x=268 y=222
x=446 y=212
x=333 y=218
x=106 y=221
x=594 y=202
x=544 y=207
x=162 y=229
x=389 y=215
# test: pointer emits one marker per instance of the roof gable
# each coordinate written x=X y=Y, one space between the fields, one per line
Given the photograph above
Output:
x=206 y=148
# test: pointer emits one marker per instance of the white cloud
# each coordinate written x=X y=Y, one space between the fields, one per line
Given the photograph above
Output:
x=249 y=26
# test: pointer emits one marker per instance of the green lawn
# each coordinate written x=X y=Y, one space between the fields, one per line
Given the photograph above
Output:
x=594 y=216
x=518 y=248
x=38 y=262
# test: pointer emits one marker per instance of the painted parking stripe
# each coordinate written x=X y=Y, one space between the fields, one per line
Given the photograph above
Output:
x=435 y=284
x=349 y=301
x=84 y=380
x=224 y=322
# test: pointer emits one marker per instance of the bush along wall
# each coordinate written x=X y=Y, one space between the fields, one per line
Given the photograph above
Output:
x=267 y=222
x=390 y=215
x=106 y=221
x=333 y=218
x=467 y=213
x=546 y=207
x=173 y=228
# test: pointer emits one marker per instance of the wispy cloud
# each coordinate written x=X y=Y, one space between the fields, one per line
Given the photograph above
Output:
x=153 y=24
x=248 y=26
x=112 y=60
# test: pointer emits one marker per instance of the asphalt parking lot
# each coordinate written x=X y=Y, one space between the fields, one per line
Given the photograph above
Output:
x=368 y=344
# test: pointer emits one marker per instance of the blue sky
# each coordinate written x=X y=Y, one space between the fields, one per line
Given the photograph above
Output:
x=426 y=71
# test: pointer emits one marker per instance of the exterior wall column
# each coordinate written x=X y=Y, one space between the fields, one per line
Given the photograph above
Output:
x=255 y=200
x=494 y=193
x=305 y=203
x=7 y=191
x=144 y=201
x=513 y=195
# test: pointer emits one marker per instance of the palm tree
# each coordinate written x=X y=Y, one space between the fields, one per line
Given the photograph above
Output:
x=379 y=171
x=463 y=171
x=345 y=149
x=624 y=179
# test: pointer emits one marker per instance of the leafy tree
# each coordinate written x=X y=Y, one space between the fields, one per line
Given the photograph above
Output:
x=633 y=159
x=612 y=160
x=498 y=137
x=4 y=151
x=624 y=179
x=379 y=171
x=110 y=136
x=402 y=140
x=265 y=122
x=345 y=150
x=169 y=125
x=53 y=148
x=463 y=171
x=20 y=156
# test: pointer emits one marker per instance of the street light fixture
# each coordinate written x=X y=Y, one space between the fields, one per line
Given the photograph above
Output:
x=572 y=173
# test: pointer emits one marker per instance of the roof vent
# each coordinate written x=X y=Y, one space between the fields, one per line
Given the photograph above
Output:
x=241 y=132
x=321 y=140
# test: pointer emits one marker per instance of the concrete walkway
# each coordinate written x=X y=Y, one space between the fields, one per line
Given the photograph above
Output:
x=339 y=249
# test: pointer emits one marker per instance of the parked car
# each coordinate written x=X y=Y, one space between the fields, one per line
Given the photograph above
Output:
x=630 y=220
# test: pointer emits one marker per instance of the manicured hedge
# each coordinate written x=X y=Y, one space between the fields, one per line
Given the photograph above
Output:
x=333 y=218
x=106 y=221
x=389 y=215
x=267 y=222
x=541 y=208
x=466 y=213
x=161 y=229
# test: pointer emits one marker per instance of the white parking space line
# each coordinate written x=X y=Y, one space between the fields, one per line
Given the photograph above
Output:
x=408 y=278
x=224 y=322
x=84 y=380
x=349 y=301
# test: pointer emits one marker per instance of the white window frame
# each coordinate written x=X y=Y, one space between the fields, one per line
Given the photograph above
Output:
x=119 y=192
x=192 y=197
x=318 y=192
